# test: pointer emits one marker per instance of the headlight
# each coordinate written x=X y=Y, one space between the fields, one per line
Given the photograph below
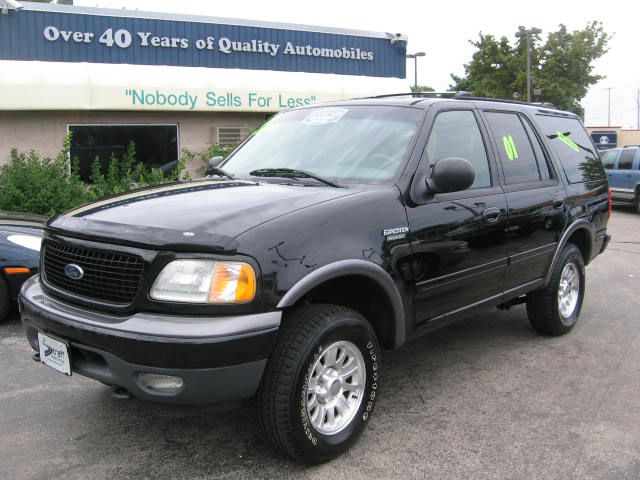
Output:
x=32 y=242
x=205 y=281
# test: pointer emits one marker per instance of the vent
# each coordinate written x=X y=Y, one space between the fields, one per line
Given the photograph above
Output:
x=232 y=136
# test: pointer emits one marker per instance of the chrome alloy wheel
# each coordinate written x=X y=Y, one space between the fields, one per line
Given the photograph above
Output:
x=568 y=290
x=335 y=387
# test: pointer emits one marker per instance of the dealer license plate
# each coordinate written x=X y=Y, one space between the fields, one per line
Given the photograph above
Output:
x=54 y=353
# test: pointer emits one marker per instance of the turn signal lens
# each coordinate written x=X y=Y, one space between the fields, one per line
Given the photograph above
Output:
x=233 y=282
x=16 y=270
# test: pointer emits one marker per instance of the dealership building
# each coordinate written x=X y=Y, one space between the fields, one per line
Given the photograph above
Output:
x=170 y=82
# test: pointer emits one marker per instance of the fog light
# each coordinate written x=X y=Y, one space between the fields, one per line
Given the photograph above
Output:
x=161 y=383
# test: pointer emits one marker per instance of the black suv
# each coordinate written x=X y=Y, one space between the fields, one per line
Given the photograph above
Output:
x=332 y=233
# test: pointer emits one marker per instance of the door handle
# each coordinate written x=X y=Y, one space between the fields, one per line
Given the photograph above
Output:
x=558 y=202
x=491 y=215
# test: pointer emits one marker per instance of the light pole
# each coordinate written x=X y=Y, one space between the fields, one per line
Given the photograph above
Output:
x=638 y=108
x=528 y=33
x=609 y=107
x=415 y=67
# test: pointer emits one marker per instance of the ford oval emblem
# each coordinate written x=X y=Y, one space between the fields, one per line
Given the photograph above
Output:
x=73 y=271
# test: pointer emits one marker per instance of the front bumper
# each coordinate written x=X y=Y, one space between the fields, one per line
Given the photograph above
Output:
x=220 y=359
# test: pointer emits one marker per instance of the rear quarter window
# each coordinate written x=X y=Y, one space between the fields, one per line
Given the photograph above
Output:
x=573 y=147
x=609 y=159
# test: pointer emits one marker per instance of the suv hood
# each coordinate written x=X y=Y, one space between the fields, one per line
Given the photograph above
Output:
x=208 y=214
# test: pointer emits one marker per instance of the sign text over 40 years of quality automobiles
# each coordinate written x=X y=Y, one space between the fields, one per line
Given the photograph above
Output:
x=76 y=34
x=123 y=38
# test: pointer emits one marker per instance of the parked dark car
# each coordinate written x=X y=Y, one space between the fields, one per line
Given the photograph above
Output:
x=623 y=171
x=20 y=237
x=333 y=233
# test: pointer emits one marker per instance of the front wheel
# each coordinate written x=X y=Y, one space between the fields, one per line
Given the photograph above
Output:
x=320 y=384
x=554 y=310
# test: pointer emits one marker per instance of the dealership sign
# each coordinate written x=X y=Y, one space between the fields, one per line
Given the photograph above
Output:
x=605 y=139
x=71 y=34
x=91 y=86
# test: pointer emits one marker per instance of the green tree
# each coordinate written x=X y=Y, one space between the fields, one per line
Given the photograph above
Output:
x=561 y=67
x=421 y=88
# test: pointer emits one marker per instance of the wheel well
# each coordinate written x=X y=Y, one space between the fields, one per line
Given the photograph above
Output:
x=582 y=239
x=361 y=294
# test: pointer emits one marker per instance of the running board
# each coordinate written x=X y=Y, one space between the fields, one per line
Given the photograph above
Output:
x=512 y=303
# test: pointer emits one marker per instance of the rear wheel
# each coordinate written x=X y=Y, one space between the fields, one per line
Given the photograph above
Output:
x=5 y=299
x=554 y=310
x=321 y=382
x=636 y=202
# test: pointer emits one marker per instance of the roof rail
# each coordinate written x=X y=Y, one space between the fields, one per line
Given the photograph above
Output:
x=504 y=100
x=462 y=95
x=423 y=94
x=628 y=146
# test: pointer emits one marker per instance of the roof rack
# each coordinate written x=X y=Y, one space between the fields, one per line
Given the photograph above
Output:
x=462 y=95
x=517 y=102
x=423 y=94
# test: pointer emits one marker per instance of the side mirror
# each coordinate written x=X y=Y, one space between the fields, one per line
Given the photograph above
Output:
x=451 y=174
x=213 y=163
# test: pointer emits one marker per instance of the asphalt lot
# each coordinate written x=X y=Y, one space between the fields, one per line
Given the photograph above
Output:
x=485 y=398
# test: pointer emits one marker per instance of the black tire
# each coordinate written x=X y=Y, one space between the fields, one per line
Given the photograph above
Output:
x=542 y=305
x=306 y=333
x=5 y=299
x=636 y=202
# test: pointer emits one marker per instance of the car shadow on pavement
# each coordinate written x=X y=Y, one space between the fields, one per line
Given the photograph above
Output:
x=140 y=438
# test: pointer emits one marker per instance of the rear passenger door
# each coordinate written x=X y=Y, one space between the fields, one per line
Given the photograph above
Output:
x=535 y=197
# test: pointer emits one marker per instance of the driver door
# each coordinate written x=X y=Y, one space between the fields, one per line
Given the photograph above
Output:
x=459 y=250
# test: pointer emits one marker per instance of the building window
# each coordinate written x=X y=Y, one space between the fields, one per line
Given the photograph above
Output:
x=231 y=136
x=156 y=145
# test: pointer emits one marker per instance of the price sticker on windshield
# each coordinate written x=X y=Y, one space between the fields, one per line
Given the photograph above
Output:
x=322 y=116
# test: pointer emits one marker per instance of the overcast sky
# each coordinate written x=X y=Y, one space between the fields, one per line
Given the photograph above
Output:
x=442 y=30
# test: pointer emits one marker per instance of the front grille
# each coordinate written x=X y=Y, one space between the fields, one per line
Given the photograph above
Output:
x=108 y=277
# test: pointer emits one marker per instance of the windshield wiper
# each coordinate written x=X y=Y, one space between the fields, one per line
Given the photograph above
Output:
x=291 y=173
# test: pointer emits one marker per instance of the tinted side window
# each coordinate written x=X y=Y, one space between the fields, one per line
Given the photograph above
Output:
x=609 y=159
x=626 y=159
x=456 y=134
x=571 y=143
x=519 y=163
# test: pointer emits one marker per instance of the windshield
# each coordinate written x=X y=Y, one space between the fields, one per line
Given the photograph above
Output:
x=352 y=144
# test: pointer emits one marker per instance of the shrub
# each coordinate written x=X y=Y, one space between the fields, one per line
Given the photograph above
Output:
x=29 y=183
x=32 y=184
x=127 y=174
